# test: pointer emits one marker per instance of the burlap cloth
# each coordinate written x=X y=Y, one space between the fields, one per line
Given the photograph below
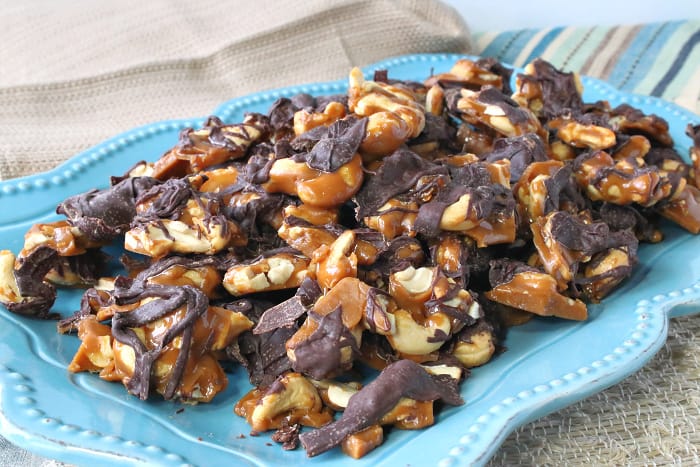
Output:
x=75 y=73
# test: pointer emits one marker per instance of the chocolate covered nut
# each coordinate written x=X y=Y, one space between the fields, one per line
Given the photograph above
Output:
x=628 y=120
x=625 y=181
x=101 y=215
x=583 y=134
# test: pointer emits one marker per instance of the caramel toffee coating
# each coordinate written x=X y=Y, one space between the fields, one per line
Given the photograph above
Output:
x=103 y=214
x=404 y=378
x=521 y=151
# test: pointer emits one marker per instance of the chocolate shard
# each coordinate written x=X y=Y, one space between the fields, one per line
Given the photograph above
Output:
x=574 y=234
x=38 y=295
x=521 y=151
x=559 y=91
x=338 y=146
x=404 y=378
x=264 y=356
x=503 y=270
x=398 y=174
x=103 y=214
x=320 y=355
x=279 y=316
x=562 y=188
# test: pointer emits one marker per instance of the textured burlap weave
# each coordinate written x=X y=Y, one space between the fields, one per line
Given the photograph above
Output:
x=75 y=73
x=85 y=71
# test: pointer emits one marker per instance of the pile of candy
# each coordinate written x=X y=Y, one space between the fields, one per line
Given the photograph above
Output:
x=404 y=225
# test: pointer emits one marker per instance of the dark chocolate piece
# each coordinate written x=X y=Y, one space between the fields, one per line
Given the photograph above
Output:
x=559 y=92
x=503 y=270
x=561 y=189
x=574 y=234
x=398 y=174
x=287 y=435
x=264 y=356
x=338 y=145
x=521 y=151
x=103 y=214
x=404 y=378
x=167 y=200
x=320 y=355
x=282 y=315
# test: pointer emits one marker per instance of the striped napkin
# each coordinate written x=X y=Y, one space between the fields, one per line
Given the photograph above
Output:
x=660 y=59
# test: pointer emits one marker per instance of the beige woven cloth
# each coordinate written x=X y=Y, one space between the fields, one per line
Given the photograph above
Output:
x=75 y=73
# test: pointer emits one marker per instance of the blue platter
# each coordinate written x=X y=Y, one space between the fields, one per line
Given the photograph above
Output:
x=549 y=364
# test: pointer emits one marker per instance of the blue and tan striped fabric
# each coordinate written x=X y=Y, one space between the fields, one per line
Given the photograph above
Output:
x=660 y=59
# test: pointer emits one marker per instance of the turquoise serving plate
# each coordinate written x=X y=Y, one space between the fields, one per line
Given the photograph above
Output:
x=549 y=364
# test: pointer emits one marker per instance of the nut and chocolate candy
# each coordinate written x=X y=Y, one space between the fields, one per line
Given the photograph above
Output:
x=365 y=408
x=625 y=181
x=402 y=226
x=165 y=338
x=394 y=114
x=693 y=132
x=626 y=119
x=102 y=215
x=23 y=289
x=213 y=144
x=174 y=217
x=564 y=241
x=468 y=74
x=526 y=288
x=547 y=91
x=492 y=108
x=291 y=398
